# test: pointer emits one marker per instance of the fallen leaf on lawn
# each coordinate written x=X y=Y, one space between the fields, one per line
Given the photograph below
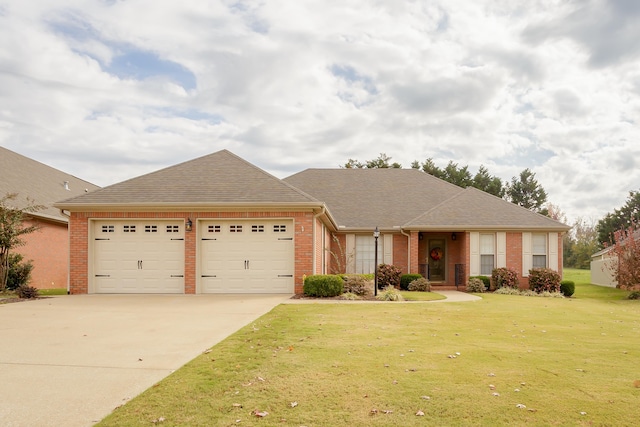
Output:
x=420 y=414
x=207 y=351
x=517 y=390
x=374 y=411
x=491 y=374
x=159 y=420
x=294 y=404
x=387 y=412
x=496 y=394
x=521 y=406
x=290 y=348
x=492 y=387
x=237 y=405
x=425 y=398
x=636 y=383
x=260 y=379
x=532 y=410
x=260 y=414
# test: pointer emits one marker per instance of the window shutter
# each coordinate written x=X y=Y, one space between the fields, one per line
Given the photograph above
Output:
x=474 y=262
x=501 y=250
x=387 y=246
x=350 y=252
x=527 y=256
x=553 y=251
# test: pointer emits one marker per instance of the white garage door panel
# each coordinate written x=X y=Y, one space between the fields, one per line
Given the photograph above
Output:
x=255 y=256
x=138 y=256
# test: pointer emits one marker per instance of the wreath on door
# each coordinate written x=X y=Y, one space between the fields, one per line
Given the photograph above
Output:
x=436 y=254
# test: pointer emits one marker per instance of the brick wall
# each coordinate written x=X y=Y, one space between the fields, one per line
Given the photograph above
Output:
x=48 y=248
x=400 y=255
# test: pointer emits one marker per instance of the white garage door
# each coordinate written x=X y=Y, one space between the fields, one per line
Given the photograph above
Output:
x=246 y=256
x=138 y=256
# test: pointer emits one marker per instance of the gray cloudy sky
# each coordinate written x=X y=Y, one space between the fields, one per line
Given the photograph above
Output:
x=108 y=90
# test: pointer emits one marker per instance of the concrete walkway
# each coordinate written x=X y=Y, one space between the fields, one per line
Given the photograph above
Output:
x=70 y=360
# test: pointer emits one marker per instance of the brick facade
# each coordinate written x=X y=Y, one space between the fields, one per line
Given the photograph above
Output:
x=48 y=248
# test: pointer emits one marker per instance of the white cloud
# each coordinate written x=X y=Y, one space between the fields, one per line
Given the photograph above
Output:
x=108 y=90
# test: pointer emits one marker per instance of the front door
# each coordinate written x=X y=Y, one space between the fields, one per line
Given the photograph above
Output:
x=437 y=262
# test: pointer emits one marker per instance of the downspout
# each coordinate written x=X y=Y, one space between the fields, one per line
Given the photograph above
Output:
x=313 y=228
x=408 y=250
x=68 y=251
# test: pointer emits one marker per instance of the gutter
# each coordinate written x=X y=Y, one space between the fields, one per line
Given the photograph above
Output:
x=313 y=229
x=67 y=214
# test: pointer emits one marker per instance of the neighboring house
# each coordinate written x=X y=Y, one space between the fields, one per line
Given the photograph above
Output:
x=601 y=262
x=218 y=224
x=48 y=247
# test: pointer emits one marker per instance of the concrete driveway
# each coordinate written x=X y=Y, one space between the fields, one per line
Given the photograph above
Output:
x=70 y=360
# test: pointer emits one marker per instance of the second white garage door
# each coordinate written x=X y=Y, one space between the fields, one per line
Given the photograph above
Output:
x=238 y=256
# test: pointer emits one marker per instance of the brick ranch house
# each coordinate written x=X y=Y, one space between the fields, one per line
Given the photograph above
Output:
x=48 y=247
x=218 y=224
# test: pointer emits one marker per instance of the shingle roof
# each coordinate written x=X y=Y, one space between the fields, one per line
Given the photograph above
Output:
x=39 y=182
x=221 y=178
x=475 y=209
x=366 y=198
x=411 y=199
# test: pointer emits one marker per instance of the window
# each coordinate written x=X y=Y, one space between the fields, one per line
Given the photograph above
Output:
x=365 y=254
x=214 y=229
x=129 y=228
x=487 y=254
x=108 y=228
x=279 y=228
x=173 y=228
x=539 y=250
x=150 y=228
x=257 y=228
x=235 y=229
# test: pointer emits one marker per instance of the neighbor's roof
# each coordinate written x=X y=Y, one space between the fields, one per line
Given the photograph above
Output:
x=40 y=183
x=411 y=199
x=218 y=179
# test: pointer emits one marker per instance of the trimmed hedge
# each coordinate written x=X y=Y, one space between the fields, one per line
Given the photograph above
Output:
x=485 y=279
x=544 y=279
x=405 y=279
x=388 y=275
x=420 y=285
x=567 y=287
x=475 y=285
x=323 y=285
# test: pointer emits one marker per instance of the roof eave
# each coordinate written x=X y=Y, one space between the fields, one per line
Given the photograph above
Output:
x=181 y=206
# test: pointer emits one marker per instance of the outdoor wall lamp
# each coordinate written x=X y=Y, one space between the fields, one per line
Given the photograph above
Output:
x=453 y=236
x=188 y=224
x=376 y=234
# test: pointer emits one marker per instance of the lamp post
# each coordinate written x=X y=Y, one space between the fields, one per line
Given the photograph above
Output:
x=376 y=234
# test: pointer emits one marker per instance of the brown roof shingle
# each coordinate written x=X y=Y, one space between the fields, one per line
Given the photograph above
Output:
x=41 y=183
x=221 y=178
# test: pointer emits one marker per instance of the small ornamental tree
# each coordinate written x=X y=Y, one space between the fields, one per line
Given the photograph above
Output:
x=544 y=280
x=504 y=277
x=625 y=257
x=12 y=228
x=388 y=275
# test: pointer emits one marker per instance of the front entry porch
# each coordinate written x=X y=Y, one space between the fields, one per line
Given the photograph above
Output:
x=442 y=258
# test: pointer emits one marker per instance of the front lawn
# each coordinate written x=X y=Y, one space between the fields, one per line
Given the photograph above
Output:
x=501 y=361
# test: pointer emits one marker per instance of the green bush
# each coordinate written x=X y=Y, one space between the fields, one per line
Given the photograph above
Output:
x=390 y=294
x=475 y=285
x=405 y=279
x=355 y=284
x=420 y=285
x=388 y=275
x=634 y=295
x=27 y=292
x=323 y=285
x=504 y=277
x=567 y=287
x=544 y=279
x=19 y=272
x=485 y=279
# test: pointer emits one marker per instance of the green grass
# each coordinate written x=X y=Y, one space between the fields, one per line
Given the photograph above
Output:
x=49 y=292
x=576 y=275
x=339 y=362
x=421 y=296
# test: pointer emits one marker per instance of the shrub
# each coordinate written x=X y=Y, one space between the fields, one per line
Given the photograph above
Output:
x=420 y=285
x=634 y=295
x=323 y=285
x=504 y=277
x=27 y=292
x=388 y=275
x=350 y=296
x=527 y=293
x=544 y=279
x=567 y=287
x=476 y=285
x=485 y=279
x=355 y=284
x=19 y=273
x=405 y=279
x=390 y=294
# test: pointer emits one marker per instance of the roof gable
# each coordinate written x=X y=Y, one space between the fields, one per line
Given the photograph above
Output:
x=476 y=209
x=366 y=198
x=39 y=182
x=221 y=178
